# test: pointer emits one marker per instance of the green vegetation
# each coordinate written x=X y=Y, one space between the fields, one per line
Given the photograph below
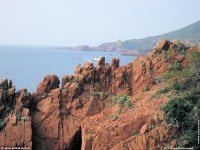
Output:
x=128 y=103
x=94 y=94
x=178 y=86
x=98 y=93
x=122 y=100
x=143 y=65
x=151 y=70
x=135 y=132
x=146 y=89
x=163 y=90
x=175 y=67
x=183 y=110
x=106 y=93
x=97 y=86
x=184 y=113
x=1 y=87
x=115 y=117
x=176 y=71
x=185 y=72
x=160 y=92
x=20 y=117
x=195 y=62
x=158 y=80
x=180 y=47
x=165 y=56
x=2 y=124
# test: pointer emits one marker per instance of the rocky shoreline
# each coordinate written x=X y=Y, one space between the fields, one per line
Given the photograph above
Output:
x=99 y=107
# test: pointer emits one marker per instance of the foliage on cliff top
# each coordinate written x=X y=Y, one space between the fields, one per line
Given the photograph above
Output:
x=183 y=110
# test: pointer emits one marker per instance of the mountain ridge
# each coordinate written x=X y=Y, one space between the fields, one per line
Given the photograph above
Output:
x=189 y=35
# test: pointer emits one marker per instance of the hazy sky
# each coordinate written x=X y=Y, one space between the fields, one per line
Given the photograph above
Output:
x=77 y=22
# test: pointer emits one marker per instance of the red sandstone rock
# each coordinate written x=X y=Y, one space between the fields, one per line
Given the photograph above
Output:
x=115 y=63
x=82 y=109
x=49 y=83
x=78 y=69
x=101 y=61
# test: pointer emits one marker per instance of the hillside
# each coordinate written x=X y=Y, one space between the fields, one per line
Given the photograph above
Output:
x=189 y=35
x=151 y=103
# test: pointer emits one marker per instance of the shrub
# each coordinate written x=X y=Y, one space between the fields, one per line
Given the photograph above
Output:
x=23 y=118
x=1 y=87
x=2 y=124
x=151 y=70
x=180 y=47
x=122 y=100
x=106 y=93
x=158 y=80
x=165 y=56
x=185 y=72
x=176 y=66
x=195 y=62
x=119 y=109
x=176 y=110
x=143 y=65
x=146 y=89
x=93 y=94
x=128 y=104
x=184 y=112
x=163 y=90
x=115 y=117
x=178 y=86
x=193 y=96
x=135 y=132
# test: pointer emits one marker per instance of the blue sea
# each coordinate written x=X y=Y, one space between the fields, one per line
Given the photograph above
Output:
x=27 y=65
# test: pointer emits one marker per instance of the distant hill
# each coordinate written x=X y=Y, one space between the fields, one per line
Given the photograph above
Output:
x=189 y=34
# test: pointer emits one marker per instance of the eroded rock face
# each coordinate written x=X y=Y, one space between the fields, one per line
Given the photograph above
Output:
x=17 y=132
x=15 y=122
x=46 y=121
x=81 y=114
x=50 y=82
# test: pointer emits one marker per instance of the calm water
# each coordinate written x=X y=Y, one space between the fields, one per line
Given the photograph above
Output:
x=26 y=66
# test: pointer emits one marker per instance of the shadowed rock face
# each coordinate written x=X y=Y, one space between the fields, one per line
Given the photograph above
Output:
x=15 y=122
x=50 y=82
x=81 y=114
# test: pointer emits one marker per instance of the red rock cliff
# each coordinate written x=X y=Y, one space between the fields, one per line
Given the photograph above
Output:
x=81 y=113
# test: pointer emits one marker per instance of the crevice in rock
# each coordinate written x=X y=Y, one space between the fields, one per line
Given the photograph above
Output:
x=76 y=142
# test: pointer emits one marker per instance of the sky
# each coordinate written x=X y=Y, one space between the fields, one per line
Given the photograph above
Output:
x=91 y=22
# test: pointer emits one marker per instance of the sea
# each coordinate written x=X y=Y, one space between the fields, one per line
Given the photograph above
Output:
x=26 y=66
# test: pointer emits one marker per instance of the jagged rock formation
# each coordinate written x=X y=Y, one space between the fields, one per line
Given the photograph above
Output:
x=81 y=114
x=15 y=122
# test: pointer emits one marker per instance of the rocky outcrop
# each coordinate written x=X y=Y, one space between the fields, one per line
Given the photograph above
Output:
x=15 y=122
x=50 y=82
x=81 y=114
